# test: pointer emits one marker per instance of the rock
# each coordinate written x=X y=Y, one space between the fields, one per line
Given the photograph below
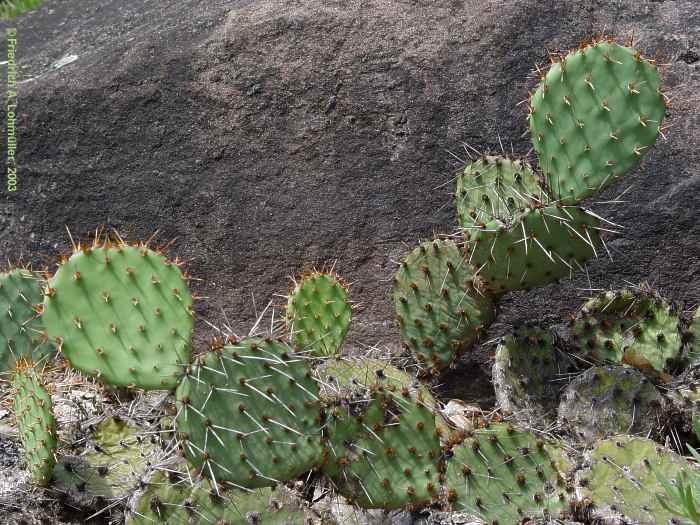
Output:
x=266 y=136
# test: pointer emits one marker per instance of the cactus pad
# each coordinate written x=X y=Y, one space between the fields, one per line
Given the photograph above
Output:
x=249 y=414
x=620 y=479
x=35 y=423
x=609 y=400
x=174 y=499
x=495 y=188
x=21 y=331
x=318 y=314
x=636 y=327
x=595 y=114
x=541 y=246
x=440 y=309
x=385 y=454
x=505 y=476
x=121 y=313
x=527 y=374
x=122 y=453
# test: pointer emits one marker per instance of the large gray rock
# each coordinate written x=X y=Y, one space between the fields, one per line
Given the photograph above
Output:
x=268 y=136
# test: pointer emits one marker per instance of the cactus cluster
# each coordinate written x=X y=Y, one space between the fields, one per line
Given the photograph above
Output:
x=261 y=420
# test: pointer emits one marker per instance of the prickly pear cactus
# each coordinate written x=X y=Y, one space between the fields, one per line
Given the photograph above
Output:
x=318 y=314
x=120 y=457
x=506 y=476
x=249 y=414
x=347 y=377
x=21 y=331
x=35 y=422
x=123 y=314
x=528 y=372
x=620 y=481
x=495 y=188
x=595 y=114
x=440 y=308
x=637 y=327
x=385 y=454
x=609 y=400
x=540 y=246
x=176 y=499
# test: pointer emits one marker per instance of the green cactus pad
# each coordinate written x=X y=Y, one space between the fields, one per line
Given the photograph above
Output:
x=175 y=499
x=505 y=476
x=528 y=371
x=249 y=414
x=637 y=327
x=21 y=331
x=439 y=307
x=621 y=481
x=35 y=423
x=541 y=246
x=122 y=454
x=495 y=188
x=122 y=313
x=595 y=114
x=318 y=314
x=385 y=454
x=344 y=377
x=609 y=400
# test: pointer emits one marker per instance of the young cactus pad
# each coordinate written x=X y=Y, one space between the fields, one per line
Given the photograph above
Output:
x=387 y=456
x=527 y=373
x=175 y=499
x=502 y=475
x=595 y=113
x=249 y=414
x=609 y=400
x=541 y=246
x=122 y=455
x=35 y=423
x=21 y=331
x=621 y=480
x=495 y=188
x=439 y=307
x=318 y=314
x=121 y=313
x=637 y=327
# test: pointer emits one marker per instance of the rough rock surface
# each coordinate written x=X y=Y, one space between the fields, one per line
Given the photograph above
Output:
x=267 y=136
